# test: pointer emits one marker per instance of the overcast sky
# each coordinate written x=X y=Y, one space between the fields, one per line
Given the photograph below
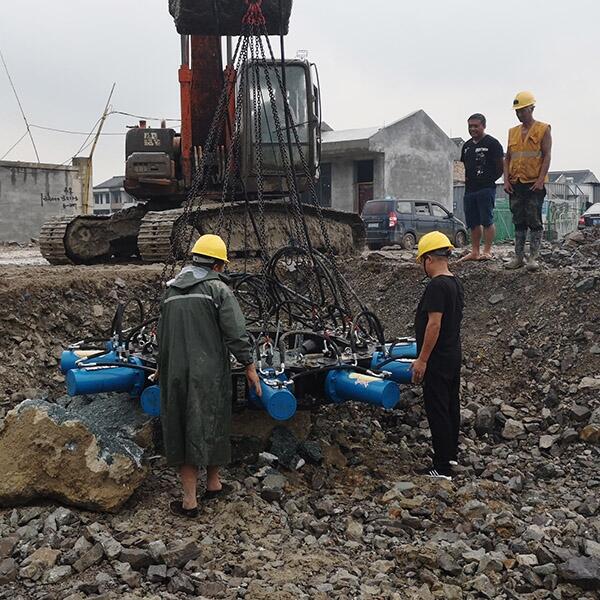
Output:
x=378 y=60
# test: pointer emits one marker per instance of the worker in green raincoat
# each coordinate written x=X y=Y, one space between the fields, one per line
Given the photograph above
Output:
x=201 y=323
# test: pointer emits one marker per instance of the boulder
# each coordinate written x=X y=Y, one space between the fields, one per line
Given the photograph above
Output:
x=52 y=452
x=581 y=571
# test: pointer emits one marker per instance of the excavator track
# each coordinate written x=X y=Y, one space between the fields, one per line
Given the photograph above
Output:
x=160 y=234
x=52 y=240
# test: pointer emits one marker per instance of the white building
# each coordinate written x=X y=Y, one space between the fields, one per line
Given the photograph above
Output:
x=110 y=196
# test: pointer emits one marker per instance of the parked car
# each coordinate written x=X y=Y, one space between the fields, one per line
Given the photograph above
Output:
x=590 y=217
x=390 y=221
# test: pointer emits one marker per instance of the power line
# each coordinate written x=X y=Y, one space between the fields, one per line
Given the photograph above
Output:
x=12 y=85
x=13 y=146
x=71 y=131
x=120 y=112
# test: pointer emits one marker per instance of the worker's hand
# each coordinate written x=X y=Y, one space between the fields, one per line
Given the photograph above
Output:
x=508 y=188
x=154 y=377
x=418 y=370
x=253 y=379
x=537 y=186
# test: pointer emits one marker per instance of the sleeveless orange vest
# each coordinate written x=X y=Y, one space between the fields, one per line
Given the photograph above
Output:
x=526 y=154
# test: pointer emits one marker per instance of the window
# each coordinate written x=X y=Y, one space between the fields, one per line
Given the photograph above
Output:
x=422 y=208
x=324 y=186
x=438 y=211
x=404 y=208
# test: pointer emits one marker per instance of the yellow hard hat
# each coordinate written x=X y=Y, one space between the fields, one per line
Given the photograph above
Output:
x=212 y=246
x=434 y=240
x=523 y=99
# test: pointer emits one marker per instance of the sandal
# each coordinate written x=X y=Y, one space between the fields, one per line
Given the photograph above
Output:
x=176 y=507
x=225 y=490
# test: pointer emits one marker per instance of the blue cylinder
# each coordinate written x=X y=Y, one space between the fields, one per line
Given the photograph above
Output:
x=402 y=349
x=399 y=368
x=150 y=401
x=343 y=385
x=110 y=379
x=279 y=402
x=69 y=358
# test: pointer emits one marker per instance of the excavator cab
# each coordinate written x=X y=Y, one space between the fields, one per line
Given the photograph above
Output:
x=280 y=121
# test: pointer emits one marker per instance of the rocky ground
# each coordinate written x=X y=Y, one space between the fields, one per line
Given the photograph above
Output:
x=521 y=519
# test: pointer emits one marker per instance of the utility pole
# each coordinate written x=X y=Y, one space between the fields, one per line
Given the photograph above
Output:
x=87 y=194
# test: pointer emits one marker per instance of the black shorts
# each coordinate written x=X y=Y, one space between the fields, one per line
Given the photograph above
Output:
x=479 y=207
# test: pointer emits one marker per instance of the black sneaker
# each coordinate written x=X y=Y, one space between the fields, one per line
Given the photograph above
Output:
x=436 y=473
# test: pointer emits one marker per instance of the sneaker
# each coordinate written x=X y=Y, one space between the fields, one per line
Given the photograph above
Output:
x=436 y=473
x=453 y=463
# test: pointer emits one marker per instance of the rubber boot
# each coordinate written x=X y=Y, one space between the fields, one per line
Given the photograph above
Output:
x=535 y=241
x=518 y=261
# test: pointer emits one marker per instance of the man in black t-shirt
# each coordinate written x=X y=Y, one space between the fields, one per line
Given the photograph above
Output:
x=437 y=367
x=483 y=158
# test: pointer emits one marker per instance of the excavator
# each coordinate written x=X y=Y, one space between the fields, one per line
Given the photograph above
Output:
x=221 y=101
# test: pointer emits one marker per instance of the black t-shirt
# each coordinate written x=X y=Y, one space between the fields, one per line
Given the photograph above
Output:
x=481 y=163
x=443 y=294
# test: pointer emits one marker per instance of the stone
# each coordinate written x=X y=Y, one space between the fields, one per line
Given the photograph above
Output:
x=586 y=285
x=138 y=559
x=284 y=445
x=8 y=571
x=156 y=550
x=92 y=557
x=591 y=548
x=180 y=553
x=46 y=451
x=180 y=583
x=7 y=546
x=474 y=509
x=547 y=441
x=590 y=434
x=580 y=413
x=485 y=419
x=589 y=383
x=63 y=516
x=333 y=456
x=527 y=560
x=581 y=571
x=57 y=574
x=127 y=575
x=447 y=564
x=311 y=452
x=272 y=487
x=157 y=573
x=354 y=530
x=513 y=429
x=45 y=556
x=496 y=299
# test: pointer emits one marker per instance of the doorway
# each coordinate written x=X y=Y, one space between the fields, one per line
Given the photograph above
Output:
x=364 y=182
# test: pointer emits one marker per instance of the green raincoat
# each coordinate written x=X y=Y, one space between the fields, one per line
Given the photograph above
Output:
x=200 y=324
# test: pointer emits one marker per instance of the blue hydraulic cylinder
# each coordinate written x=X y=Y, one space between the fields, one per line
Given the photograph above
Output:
x=93 y=380
x=276 y=397
x=69 y=358
x=341 y=385
x=402 y=350
x=150 y=400
x=400 y=368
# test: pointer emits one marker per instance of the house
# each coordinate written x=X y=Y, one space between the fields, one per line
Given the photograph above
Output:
x=410 y=158
x=582 y=184
x=32 y=193
x=110 y=196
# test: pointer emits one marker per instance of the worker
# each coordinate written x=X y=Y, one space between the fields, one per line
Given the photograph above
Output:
x=201 y=323
x=482 y=156
x=437 y=367
x=526 y=167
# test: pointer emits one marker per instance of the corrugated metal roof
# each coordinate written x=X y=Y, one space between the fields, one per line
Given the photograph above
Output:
x=113 y=182
x=579 y=176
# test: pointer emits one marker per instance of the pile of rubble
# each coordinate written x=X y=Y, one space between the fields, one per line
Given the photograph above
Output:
x=332 y=508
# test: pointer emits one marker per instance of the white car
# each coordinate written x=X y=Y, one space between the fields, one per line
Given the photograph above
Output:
x=590 y=217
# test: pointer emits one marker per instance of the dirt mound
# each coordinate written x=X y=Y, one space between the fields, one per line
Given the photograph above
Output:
x=521 y=520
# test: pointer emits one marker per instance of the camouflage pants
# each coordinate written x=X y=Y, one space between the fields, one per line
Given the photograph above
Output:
x=526 y=207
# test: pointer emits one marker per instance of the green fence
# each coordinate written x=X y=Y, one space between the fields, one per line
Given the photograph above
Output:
x=505 y=230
